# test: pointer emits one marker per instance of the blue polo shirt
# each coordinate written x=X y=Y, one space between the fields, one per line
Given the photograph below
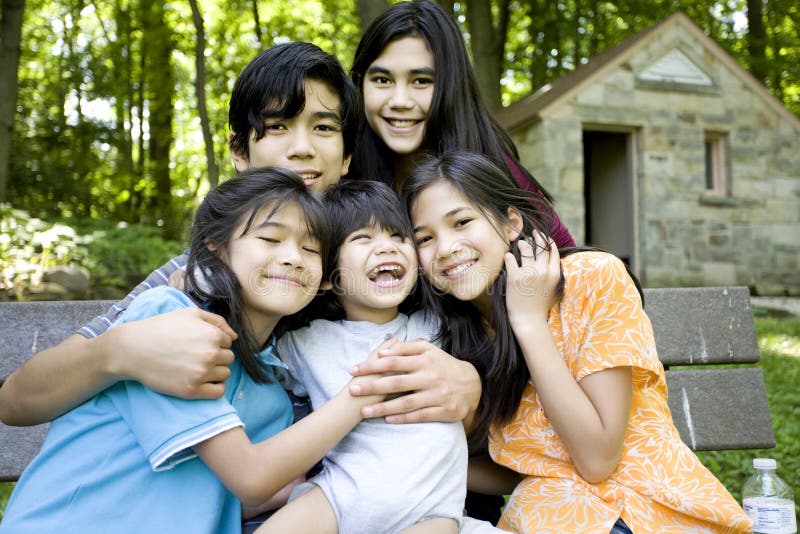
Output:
x=123 y=461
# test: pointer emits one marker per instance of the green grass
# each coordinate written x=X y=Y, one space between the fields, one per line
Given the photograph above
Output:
x=779 y=341
x=5 y=493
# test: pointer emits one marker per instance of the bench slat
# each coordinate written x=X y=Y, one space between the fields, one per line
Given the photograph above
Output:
x=702 y=325
x=29 y=327
x=691 y=325
x=18 y=446
x=719 y=409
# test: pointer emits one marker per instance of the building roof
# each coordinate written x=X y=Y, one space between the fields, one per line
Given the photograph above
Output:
x=530 y=108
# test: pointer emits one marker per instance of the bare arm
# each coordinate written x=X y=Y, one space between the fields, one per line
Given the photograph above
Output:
x=590 y=416
x=254 y=472
x=274 y=502
x=440 y=387
x=58 y=379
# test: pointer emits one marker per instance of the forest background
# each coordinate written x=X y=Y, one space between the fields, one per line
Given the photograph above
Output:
x=113 y=114
x=113 y=124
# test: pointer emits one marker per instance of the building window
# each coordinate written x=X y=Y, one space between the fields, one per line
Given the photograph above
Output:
x=716 y=164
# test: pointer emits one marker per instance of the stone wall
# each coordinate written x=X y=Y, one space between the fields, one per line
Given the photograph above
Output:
x=686 y=237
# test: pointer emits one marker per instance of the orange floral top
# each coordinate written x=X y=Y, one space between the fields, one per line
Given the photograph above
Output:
x=659 y=484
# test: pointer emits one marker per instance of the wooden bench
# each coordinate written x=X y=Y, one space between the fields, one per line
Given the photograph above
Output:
x=714 y=409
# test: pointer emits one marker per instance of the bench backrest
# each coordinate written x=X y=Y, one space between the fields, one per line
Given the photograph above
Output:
x=713 y=409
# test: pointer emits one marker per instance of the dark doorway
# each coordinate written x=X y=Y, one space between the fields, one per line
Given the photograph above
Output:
x=609 y=189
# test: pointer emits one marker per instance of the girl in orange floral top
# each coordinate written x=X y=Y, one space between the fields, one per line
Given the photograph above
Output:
x=574 y=398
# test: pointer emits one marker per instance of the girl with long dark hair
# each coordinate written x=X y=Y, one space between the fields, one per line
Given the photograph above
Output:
x=574 y=396
x=420 y=97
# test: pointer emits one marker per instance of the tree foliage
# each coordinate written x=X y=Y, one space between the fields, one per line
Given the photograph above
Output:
x=110 y=122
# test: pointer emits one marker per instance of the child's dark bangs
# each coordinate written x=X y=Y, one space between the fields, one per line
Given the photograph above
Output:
x=380 y=215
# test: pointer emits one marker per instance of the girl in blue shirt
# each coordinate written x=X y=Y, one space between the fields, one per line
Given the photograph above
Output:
x=133 y=460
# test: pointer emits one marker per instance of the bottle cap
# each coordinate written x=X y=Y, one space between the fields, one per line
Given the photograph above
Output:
x=764 y=463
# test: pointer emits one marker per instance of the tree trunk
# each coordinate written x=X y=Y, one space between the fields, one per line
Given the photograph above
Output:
x=10 y=47
x=159 y=91
x=488 y=44
x=256 y=18
x=757 y=40
x=140 y=170
x=368 y=10
x=125 y=106
x=200 y=93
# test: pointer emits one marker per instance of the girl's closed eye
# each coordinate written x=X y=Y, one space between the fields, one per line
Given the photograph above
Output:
x=310 y=245
x=422 y=239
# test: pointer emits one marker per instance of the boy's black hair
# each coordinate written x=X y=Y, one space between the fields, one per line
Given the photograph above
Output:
x=210 y=281
x=274 y=81
x=350 y=206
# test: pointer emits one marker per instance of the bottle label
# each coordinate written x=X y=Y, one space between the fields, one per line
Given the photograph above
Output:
x=771 y=515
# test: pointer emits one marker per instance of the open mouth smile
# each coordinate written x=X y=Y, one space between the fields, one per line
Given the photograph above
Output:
x=457 y=270
x=403 y=124
x=387 y=274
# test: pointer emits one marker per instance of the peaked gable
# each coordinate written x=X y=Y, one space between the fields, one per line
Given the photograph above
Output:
x=676 y=67
x=552 y=95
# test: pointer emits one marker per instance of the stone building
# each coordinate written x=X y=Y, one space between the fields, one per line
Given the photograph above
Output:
x=667 y=152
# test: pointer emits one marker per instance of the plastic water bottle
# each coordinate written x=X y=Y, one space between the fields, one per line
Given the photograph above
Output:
x=768 y=500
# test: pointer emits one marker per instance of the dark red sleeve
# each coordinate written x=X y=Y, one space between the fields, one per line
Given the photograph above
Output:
x=561 y=234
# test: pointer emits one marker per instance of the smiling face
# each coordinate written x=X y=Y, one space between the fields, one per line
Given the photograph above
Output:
x=310 y=143
x=460 y=249
x=398 y=89
x=377 y=270
x=277 y=263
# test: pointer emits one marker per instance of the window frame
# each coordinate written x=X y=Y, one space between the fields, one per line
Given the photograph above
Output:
x=716 y=163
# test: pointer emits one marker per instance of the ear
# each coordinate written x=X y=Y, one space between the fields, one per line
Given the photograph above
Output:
x=514 y=227
x=346 y=164
x=213 y=248
x=240 y=161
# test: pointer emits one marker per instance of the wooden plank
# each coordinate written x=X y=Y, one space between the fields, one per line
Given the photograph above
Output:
x=705 y=325
x=719 y=409
x=29 y=327
x=691 y=326
x=18 y=446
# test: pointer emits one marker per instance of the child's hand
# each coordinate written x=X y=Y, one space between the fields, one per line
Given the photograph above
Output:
x=388 y=342
x=531 y=286
x=183 y=353
x=364 y=386
x=436 y=386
